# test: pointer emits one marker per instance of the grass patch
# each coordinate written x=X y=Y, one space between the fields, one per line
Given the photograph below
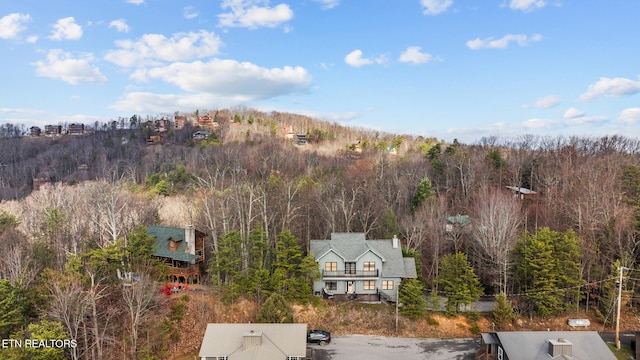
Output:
x=625 y=352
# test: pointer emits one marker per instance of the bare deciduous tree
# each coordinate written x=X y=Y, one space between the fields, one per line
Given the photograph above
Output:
x=495 y=228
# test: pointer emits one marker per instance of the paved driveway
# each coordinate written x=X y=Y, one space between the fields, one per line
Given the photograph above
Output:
x=360 y=347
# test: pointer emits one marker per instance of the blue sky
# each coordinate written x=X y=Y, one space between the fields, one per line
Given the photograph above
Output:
x=438 y=68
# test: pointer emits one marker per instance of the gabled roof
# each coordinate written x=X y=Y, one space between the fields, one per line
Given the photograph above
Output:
x=534 y=345
x=352 y=246
x=162 y=234
x=277 y=341
x=521 y=190
x=462 y=220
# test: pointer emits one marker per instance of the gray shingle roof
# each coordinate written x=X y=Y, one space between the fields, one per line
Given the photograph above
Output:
x=351 y=246
x=162 y=234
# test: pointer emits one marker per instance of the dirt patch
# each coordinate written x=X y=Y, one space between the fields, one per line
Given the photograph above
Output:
x=350 y=318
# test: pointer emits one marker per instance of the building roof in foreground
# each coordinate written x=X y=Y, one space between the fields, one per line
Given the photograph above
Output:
x=534 y=345
x=270 y=341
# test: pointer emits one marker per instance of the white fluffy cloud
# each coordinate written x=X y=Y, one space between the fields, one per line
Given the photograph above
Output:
x=11 y=25
x=502 y=43
x=253 y=14
x=630 y=116
x=155 y=49
x=189 y=12
x=66 y=29
x=145 y=102
x=414 y=54
x=607 y=87
x=233 y=79
x=544 y=102
x=527 y=5
x=120 y=25
x=73 y=70
x=573 y=113
x=356 y=59
x=435 y=7
x=135 y=2
x=221 y=82
x=328 y=4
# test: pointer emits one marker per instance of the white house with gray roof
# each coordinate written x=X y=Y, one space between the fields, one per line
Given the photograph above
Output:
x=254 y=342
x=354 y=268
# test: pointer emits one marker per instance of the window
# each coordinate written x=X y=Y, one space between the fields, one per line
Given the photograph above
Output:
x=350 y=268
x=370 y=266
x=331 y=266
x=294 y=358
x=331 y=285
x=387 y=285
x=369 y=285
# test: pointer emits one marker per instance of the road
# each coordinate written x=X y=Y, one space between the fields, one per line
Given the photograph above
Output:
x=626 y=337
x=361 y=347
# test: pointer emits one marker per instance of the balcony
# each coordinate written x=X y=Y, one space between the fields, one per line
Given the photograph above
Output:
x=350 y=274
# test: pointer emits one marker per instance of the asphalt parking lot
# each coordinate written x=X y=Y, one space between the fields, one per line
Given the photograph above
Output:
x=361 y=347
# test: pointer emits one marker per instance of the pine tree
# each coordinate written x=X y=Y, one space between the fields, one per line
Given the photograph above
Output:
x=503 y=311
x=275 y=310
x=423 y=192
x=549 y=270
x=458 y=281
x=413 y=303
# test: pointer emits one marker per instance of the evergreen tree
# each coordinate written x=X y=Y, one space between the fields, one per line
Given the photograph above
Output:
x=458 y=281
x=275 y=310
x=413 y=303
x=292 y=269
x=503 y=311
x=423 y=192
x=548 y=270
x=11 y=317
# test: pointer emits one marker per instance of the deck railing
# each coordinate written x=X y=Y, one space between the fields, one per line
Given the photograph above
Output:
x=349 y=273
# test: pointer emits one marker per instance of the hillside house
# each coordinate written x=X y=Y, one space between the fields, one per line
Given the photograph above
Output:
x=522 y=193
x=35 y=131
x=354 y=268
x=182 y=251
x=300 y=139
x=200 y=135
x=155 y=140
x=254 y=341
x=162 y=125
x=53 y=130
x=542 y=345
x=76 y=129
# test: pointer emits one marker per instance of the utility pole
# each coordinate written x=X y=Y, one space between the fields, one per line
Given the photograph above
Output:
x=621 y=268
x=397 y=305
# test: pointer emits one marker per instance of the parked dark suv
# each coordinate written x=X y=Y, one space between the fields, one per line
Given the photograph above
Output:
x=319 y=336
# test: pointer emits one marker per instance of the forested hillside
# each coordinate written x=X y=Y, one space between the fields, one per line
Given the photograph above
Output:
x=260 y=198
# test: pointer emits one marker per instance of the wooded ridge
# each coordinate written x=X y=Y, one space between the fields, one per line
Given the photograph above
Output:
x=546 y=221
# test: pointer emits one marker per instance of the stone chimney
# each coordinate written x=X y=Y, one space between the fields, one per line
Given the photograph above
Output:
x=395 y=241
x=190 y=239
x=560 y=347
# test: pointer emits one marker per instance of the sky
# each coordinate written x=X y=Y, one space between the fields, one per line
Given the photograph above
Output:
x=450 y=69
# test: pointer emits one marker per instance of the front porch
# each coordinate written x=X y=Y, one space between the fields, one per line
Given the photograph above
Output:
x=359 y=297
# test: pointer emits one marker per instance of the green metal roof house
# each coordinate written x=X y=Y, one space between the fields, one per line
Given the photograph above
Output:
x=181 y=249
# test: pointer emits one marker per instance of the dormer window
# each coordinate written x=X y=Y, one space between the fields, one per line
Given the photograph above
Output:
x=173 y=245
